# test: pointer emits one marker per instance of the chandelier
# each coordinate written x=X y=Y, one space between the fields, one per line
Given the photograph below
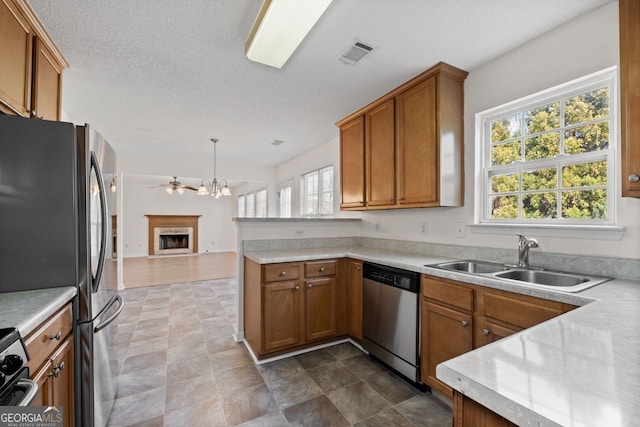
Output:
x=214 y=187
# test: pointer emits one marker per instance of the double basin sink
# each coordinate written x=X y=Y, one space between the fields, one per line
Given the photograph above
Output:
x=568 y=282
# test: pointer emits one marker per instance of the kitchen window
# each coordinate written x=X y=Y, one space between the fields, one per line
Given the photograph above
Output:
x=549 y=158
x=284 y=200
x=317 y=192
x=261 y=203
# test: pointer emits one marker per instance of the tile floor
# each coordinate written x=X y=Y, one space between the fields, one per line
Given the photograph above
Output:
x=181 y=367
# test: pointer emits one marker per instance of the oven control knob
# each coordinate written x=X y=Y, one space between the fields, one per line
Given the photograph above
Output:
x=11 y=364
x=3 y=378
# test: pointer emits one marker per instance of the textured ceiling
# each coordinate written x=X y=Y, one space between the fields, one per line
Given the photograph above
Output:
x=164 y=76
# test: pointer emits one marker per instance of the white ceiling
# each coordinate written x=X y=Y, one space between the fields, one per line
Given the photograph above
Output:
x=166 y=75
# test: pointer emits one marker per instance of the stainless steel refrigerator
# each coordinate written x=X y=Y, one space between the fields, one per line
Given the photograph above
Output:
x=57 y=208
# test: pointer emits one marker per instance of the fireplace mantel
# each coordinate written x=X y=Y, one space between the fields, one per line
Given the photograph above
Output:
x=172 y=221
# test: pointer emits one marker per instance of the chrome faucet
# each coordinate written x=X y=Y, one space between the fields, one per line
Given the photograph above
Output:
x=524 y=245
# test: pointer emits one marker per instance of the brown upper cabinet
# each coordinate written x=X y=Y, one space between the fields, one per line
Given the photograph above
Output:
x=630 y=96
x=30 y=64
x=396 y=150
x=352 y=164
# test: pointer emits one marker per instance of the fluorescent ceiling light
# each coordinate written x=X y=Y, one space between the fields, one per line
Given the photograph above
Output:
x=280 y=27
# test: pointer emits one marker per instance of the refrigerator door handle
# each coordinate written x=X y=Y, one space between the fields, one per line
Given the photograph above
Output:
x=103 y=212
x=111 y=318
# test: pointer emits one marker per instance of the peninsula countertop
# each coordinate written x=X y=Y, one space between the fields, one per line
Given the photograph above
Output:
x=25 y=310
x=578 y=369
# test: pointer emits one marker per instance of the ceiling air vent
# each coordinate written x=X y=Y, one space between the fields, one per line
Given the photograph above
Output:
x=355 y=53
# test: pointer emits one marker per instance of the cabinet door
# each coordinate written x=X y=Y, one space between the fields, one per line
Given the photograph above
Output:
x=355 y=299
x=62 y=384
x=380 y=155
x=15 y=60
x=320 y=308
x=630 y=96
x=47 y=83
x=281 y=315
x=352 y=164
x=417 y=158
x=446 y=334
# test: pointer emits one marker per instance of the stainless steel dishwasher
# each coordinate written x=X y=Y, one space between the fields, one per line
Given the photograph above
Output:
x=390 y=317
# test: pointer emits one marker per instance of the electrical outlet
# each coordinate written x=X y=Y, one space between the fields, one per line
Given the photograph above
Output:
x=299 y=232
x=461 y=229
x=378 y=225
x=424 y=228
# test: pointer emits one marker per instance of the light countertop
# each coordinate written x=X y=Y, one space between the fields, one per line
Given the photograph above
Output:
x=578 y=369
x=25 y=310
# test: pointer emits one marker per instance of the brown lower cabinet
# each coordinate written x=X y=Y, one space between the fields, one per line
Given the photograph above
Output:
x=467 y=412
x=293 y=305
x=458 y=317
x=50 y=347
x=354 y=299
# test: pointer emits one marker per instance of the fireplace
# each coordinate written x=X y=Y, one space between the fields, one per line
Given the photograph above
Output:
x=172 y=240
x=173 y=234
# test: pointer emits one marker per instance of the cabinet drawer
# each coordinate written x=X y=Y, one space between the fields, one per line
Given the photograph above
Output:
x=448 y=293
x=280 y=272
x=523 y=312
x=319 y=268
x=42 y=342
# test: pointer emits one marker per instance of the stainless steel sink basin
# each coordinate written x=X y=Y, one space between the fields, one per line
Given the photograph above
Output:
x=543 y=277
x=479 y=267
x=568 y=282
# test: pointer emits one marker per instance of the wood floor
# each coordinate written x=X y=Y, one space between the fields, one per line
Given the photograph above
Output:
x=166 y=270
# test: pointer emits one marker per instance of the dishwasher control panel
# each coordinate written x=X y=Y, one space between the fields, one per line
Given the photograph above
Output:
x=391 y=276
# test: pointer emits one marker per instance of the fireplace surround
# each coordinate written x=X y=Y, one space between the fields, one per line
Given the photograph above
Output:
x=173 y=234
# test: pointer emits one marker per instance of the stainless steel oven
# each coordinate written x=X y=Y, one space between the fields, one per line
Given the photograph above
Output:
x=390 y=317
x=16 y=389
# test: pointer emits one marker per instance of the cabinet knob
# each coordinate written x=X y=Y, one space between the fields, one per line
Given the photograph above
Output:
x=391 y=199
x=57 y=336
x=321 y=270
x=362 y=202
x=358 y=268
x=486 y=332
x=284 y=273
x=309 y=286
x=464 y=323
x=401 y=198
x=297 y=288
x=634 y=178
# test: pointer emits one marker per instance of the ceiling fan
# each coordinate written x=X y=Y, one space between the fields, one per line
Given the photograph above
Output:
x=175 y=185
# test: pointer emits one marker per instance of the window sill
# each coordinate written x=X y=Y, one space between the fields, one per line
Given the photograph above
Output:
x=589 y=232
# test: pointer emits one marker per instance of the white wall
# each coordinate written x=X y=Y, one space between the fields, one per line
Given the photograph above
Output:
x=585 y=45
x=323 y=155
x=216 y=230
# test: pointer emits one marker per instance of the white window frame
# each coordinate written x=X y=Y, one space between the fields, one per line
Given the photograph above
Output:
x=607 y=77
x=258 y=196
x=283 y=186
x=316 y=211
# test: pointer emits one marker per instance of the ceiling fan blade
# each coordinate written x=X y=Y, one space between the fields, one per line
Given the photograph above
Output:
x=159 y=186
x=188 y=187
